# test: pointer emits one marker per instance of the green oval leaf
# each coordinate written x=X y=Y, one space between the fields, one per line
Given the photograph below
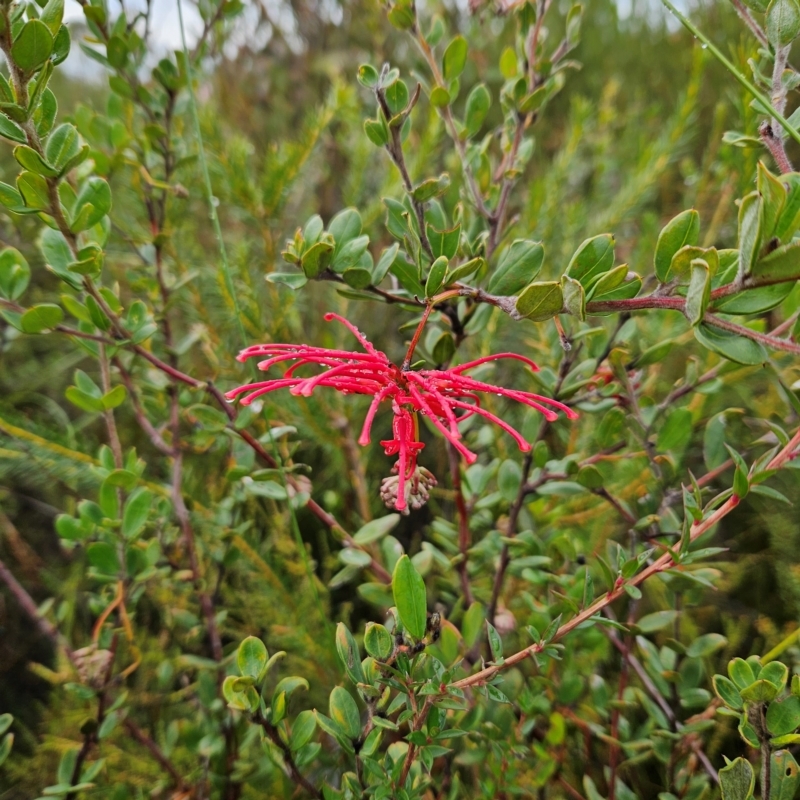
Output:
x=784 y=775
x=478 y=104
x=135 y=513
x=376 y=529
x=518 y=265
x=348 y=652
x=14 y=273
x=727 y=692
x=783 y=716
x=251 y=658
x=679 y=232
x=32 y=46
x=540 y=301
x=733 y=347
x=737 y=781
x=344 y=712
x=302 y=730
x=41 y=318
x=378 y=642
x=455 y=58
x=409 y=593
x=592 y=258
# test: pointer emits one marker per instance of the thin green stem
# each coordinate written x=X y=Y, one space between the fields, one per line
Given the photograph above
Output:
x=762 y=99
x=212 y=208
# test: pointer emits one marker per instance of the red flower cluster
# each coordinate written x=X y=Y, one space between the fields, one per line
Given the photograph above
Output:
x=445 y=397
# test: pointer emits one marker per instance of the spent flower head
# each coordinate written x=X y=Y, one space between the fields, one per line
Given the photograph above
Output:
x=445 y=396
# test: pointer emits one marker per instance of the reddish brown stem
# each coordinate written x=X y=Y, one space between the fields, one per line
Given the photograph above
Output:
x=661 y=564
x=157 y=753
x=415 y=340
x=464 y=535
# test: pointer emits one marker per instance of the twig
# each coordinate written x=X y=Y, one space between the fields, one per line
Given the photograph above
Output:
x=660 y=700
x=394 y=147
x=294 y=772
x=412 y=748
x=27 y=604
x=182 y=513
x=661 y=564
x=747 y=17
x=157 y=753
x=108 y=414
x=464 y=535
x=144 y=423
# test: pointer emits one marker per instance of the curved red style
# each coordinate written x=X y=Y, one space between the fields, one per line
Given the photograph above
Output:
x=446 y=397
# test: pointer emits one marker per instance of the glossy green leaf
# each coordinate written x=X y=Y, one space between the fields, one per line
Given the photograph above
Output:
x=84 y=400
x=33 y=189
x=594 y=257
x=294 y=280
x=348 y=652
x=478 y=103
x=760 y=691
x=495 y=642
x=518 y=265
x=376 y=529
x=741 y=672
x=443 y=243
x=540 y=301
x=252 y=657
x=706 y=645
x=455 y=58
x=439 y=97
x=29 y=159
x=776 y=673
x=574 y=297
x=730 y=345
x=302 y=730
x=378 y=642
x=680 y=231
x=408 y=590
x=41 y=318
x=750 y=221
x=783 y=22
x=11 y=130
x=368 y=76
x=397 y=96
x=436 y=277
x=136 y=511
x=95 y=197
x=754 y=301
x=52 y=15
x=698 y=292
x=344 y=712
x=377 y=131
x=727 y=692
x=14 y=273
x=783 y=716
x=32 y=46
x=63 y=145
x=782 y=263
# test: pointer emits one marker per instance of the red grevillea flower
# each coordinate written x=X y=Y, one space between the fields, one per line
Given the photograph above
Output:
x=446 y=397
